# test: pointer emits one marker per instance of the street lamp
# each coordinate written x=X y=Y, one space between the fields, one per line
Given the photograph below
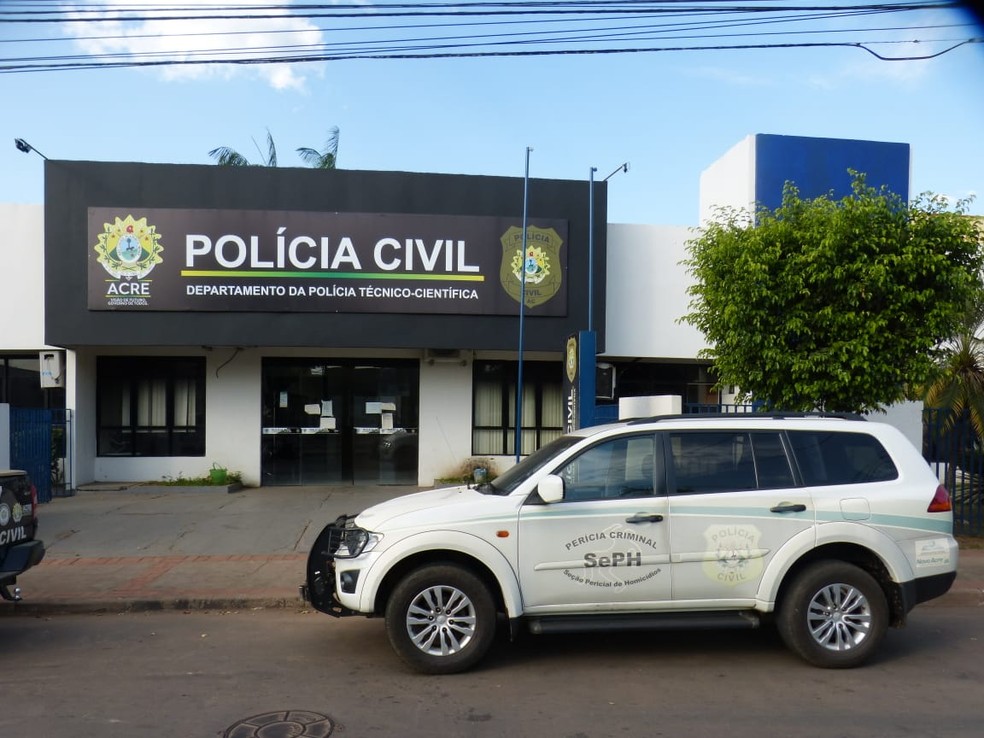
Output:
x=624 y=167
x=24 y=146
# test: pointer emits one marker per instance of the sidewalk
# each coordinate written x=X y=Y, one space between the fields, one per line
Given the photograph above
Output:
x=177 y=548
x=173 y=548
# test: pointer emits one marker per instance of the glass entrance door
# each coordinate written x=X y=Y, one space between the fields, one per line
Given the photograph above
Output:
x=328 y=421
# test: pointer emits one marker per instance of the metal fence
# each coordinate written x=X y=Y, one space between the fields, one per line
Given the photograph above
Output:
x=39 y=444
x=956 y=454
x=609 y=413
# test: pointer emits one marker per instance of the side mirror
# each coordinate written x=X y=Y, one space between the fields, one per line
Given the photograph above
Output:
x=551 y=489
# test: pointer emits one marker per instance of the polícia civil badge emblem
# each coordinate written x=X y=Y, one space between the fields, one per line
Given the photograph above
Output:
x=735 y=554
x=541 y=264
x=129 y=248
x=571 y=359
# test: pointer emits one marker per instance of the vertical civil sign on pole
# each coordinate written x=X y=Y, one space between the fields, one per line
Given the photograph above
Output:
x=579 y=380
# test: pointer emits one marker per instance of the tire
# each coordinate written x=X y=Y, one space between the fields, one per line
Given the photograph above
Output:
x=834 y=615
x=441 y=619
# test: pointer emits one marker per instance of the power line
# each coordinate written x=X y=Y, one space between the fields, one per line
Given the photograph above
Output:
x=390 y=10
x=475 y=55
x=496 y=29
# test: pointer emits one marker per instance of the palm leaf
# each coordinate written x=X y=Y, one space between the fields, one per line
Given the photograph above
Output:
x=271 y=158
x=325 y=159
x=227 y=157
x=958 y=387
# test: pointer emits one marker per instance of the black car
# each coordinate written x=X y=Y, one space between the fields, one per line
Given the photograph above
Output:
x=19 y=549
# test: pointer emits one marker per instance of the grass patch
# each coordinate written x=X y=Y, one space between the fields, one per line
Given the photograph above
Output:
x=464 y=472
x=205 y=481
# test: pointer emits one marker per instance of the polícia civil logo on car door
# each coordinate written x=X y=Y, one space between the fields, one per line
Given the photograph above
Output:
x=735 y=557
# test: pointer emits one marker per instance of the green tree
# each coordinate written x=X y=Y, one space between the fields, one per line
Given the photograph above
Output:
x=326 y=159
x=834 y=305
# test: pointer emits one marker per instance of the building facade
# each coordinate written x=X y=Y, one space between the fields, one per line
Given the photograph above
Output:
x=335 y=327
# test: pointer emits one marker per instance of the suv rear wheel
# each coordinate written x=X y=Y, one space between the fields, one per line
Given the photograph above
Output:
x=834 y=615
x=441 y=619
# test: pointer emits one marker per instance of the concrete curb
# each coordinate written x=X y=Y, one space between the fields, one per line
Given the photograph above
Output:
x=162 y=488
x=103 y=607
x=957 y=597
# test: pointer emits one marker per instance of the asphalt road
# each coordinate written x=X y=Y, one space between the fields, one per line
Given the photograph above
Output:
x=304 y=674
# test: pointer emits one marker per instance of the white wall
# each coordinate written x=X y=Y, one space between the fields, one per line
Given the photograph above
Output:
x=445 y=418
x=233 y=413
x=80 y=397
x=22 y=269
x=730 y=180
x=647 y=293
x=906 y=417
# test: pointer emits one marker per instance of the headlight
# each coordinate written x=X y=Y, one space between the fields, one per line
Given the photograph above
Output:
x=355 y=542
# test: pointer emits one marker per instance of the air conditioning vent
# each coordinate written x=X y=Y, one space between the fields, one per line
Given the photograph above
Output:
x=444 y=356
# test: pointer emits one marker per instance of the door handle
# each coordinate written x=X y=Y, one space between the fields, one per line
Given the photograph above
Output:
x=784 y=507
x=644 y=518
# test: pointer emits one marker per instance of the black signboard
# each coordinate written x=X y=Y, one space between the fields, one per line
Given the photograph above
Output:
x=168 y=259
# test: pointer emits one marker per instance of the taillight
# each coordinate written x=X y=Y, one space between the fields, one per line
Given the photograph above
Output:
x=941 y=501
x=34 y=501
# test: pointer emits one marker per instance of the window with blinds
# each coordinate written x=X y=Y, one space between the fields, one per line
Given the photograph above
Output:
x=494 y=406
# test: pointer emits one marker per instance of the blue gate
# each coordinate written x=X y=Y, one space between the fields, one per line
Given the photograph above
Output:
x=39 y=445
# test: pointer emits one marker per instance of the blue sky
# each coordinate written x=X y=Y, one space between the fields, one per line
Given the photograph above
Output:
x=671 y=113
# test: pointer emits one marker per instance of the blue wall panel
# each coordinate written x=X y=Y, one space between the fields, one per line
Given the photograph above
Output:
x=819 y=165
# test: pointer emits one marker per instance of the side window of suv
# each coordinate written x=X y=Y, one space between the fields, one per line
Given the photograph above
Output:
x=720 y=461
x=841 y=458
x=618 y=467
x=771 y=461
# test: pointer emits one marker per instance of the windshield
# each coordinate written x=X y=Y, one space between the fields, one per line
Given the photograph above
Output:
x=510 y=480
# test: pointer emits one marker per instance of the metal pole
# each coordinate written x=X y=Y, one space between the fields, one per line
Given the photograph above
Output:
x=591 y=247
x=591 y=210
x=522 y=310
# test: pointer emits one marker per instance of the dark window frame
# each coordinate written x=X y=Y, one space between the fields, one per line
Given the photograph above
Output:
x=634 y=475
x=814 y=458
x=841 y=463
x=161 y=440
x=539 y=374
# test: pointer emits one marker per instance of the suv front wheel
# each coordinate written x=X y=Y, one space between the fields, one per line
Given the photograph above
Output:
x=440 y=619
x=834 y=615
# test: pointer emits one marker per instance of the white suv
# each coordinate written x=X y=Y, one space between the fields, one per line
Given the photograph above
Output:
x=832 y=527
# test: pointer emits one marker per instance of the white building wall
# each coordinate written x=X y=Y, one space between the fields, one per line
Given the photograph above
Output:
x=730 y=181
x=233 y=413
x=80 y=398
x=906 y=417
x=647 y=293
x=445 y=418
x=22 y=271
